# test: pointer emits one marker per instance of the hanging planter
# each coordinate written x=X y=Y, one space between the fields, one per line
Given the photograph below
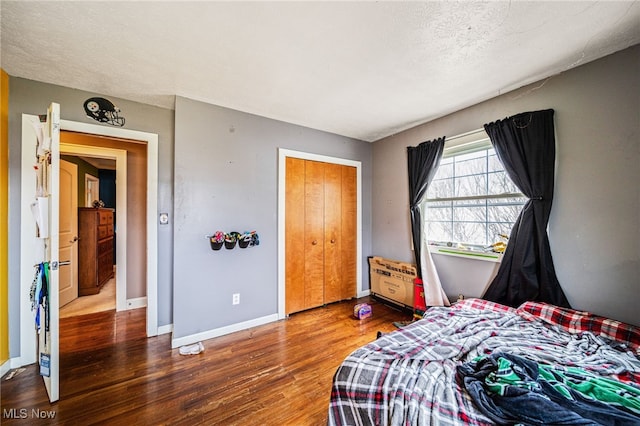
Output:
x=254 y=239
x=230 y=240
x=217 y=240
x=244 y=240
x=248 y=239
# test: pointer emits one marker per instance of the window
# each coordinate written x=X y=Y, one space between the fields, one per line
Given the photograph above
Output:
x=471 y=200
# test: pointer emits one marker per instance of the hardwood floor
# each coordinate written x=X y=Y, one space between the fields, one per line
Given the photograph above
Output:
x=275 y=374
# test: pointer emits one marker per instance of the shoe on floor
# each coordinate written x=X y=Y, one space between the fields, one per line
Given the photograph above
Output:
x=194 y=349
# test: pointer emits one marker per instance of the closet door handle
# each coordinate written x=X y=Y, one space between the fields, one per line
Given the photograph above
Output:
x=314 y=242
x=333 y=241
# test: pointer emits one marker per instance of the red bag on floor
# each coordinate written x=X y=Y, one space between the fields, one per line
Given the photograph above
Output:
x=419 y=305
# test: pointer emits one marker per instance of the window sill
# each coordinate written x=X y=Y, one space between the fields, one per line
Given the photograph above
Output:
x=486 y=256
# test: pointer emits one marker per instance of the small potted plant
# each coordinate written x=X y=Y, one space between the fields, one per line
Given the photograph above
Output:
x=217 y=240
x=254 y=239
x=230 y=239
x=244 y=239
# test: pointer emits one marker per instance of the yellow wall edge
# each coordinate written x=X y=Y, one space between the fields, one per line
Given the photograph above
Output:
x=4 y=213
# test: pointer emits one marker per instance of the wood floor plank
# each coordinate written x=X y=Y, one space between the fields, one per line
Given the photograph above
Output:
x=278 y=373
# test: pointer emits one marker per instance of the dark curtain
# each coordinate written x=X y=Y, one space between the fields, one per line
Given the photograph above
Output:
x=525 y=143
x=423 y=161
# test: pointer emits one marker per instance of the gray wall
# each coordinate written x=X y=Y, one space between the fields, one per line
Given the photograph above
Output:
x=226 y=175
x=84 y=169
x=594 y=226
x=226 y=178
x=31 y=97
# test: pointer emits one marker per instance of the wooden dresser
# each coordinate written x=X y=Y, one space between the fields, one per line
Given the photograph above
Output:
x=95 y=250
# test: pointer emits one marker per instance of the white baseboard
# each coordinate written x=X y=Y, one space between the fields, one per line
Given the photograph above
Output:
x=5 y=367
x=10 y=364
x=138 y=302
x=165 y=329
x=193 y=338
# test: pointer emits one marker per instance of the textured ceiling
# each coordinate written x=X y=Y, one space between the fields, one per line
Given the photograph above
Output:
x=359 y=69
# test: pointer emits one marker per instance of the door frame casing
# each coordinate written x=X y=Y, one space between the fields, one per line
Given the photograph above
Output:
x=151 y=140
x=283 y=154
x=90 y=180
x=27 y=330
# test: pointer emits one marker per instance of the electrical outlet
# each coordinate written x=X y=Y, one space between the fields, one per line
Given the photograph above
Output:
x=236 y=299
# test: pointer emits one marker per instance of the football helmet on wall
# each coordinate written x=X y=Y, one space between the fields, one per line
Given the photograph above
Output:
x=104 y=111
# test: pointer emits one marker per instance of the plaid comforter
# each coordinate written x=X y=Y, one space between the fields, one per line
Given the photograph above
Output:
x=408 y=377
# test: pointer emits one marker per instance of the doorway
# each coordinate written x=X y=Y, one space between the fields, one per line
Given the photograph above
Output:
x=283 y=154
x=27 y=331
x=88 y=146
x=320 y=222
x=92 y=172
x=91 y=189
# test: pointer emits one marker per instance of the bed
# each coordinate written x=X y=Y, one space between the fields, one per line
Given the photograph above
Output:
x=482 y=363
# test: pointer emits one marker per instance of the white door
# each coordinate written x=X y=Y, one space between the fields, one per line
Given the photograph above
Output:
x=51 y=345
x=40 y=233
x=68 y=249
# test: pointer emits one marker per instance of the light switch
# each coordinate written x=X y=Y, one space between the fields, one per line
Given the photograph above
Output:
x=164 y=218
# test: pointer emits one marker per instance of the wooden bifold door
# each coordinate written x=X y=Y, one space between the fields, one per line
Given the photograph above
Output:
x=320 y=233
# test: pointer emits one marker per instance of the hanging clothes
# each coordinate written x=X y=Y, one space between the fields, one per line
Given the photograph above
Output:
x=44 y=298
x=36 y=290
x=39 y=296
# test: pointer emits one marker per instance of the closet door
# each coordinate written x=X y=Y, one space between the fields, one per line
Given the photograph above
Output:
x=320 y=233
x=348 y=235
x=332 y=232
x=314 y=234
x=294 y=235
x=340 y=232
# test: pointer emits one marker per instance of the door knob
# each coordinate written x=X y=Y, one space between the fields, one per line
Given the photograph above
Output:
x=333 y=241
x=314 y=242
x=76 y=238
x=55 y=264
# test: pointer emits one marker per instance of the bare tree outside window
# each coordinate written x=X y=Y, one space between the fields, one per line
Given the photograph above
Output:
x=471 y=200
